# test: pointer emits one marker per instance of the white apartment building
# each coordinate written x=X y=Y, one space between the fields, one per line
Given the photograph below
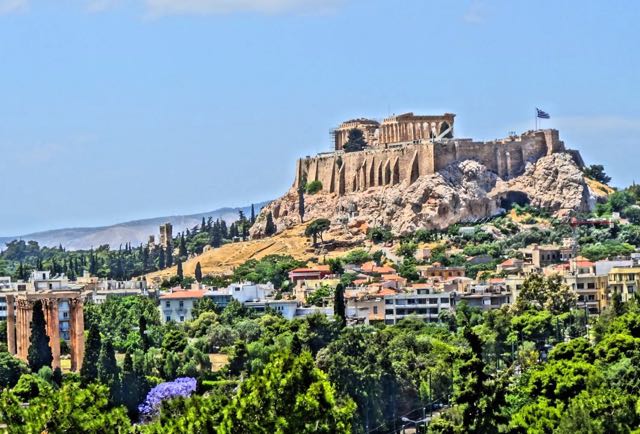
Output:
x=177 y=305
x=424 y=303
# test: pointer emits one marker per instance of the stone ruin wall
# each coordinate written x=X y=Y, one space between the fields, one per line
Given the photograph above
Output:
x=343 y=173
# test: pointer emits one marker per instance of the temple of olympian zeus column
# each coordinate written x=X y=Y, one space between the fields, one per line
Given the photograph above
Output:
x=19 y=323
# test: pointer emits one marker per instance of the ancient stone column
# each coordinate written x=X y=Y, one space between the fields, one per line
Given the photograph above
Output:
x=53 y=330
x=72 y=334
x=11 y=325
x=25 y=313
x=77 y=333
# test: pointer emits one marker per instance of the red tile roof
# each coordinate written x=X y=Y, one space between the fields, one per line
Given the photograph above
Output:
x=183 y=293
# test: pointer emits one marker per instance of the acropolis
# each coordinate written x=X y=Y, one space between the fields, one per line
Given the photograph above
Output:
x=406 y=146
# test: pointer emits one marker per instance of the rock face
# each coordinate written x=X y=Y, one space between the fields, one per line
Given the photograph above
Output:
x=462 y=191
x=554 y=182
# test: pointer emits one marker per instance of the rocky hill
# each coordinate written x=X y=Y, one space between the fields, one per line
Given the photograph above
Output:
x=463 y=191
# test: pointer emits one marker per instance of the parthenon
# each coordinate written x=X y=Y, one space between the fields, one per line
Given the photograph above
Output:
x=403 y=128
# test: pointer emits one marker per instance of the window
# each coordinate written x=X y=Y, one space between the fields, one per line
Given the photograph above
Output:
x=167 y=303
x=444 y=300
x=592 y=297
x=375 y=310
x=591 y=285
x=65 y=314
x=168 y=318
x=388 y=301
x=388 y=312
x=181 y=304
x=580 y=285
x=181 y=318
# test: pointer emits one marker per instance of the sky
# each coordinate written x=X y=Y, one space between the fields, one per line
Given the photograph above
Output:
x=113 y=110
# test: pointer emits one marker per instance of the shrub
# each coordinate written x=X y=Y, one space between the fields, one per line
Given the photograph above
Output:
x=313 y=187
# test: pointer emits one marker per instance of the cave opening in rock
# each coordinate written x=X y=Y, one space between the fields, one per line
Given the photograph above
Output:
x=514 y=197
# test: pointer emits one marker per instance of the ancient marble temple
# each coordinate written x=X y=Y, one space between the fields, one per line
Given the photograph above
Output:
x=63 y=308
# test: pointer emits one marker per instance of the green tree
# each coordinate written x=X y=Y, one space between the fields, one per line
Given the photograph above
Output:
x=596 y=171
x=174 y=339
x=39 y=351
x=539 y=292
x=479 y=394
x=179 y=271
x=302 y=402
x=270 y=227
x=301 y=190
x=108 y=371
x=339 y=308
x=72 y=409
x=198 y=272
x=407 y=249
x=313 y=187
x=11 y=368
x=355 y=141
x=89 y=370
x=316 y=228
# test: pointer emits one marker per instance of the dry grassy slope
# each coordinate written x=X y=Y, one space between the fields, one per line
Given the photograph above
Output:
x=222 y=260
x=598 y=188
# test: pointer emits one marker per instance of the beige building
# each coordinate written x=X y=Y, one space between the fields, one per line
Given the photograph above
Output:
x=590 y=288
x=624 y=281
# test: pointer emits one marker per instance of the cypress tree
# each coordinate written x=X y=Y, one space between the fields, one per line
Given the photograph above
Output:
x=107 y=365
x=198 y=272
x=338 y=304
x=108 y=371
x=169 y=256
x=131 y=387
x=179 y=271
x=182 y=251
x=161 y=262
x=270 y=227
x=144 y=339
x=39 y=350
x=301 y=187
x=89 y=370
x=253 y=215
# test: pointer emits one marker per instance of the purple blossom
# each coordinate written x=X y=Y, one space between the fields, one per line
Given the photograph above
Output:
x=183 y=387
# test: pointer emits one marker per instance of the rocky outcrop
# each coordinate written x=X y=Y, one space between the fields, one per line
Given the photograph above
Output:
x=554 y=183
x=462 y=191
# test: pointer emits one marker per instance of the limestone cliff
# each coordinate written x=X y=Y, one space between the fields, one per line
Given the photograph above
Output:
x=462 y=191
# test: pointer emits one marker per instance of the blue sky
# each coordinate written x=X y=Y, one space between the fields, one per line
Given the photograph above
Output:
x=112 y=110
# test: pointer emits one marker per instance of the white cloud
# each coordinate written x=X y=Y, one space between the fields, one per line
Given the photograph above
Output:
x=8 y=6
x=171 y=7
x=101 y=5
x=475 y=12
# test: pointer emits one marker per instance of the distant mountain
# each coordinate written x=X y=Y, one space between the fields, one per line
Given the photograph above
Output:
x=134 y=232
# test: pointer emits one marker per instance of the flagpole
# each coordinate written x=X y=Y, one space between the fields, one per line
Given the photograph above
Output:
x=536 y=119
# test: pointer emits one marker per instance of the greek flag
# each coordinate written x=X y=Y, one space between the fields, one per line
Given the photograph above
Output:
x=542 y=114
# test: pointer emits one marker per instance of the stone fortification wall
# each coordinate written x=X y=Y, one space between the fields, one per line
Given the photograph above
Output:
x=344 y=173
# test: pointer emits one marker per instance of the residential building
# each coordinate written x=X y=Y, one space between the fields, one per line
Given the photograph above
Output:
x=590 y=287
x=486 y=296
x=423 y=303
x=439 y=271
x=177 y=304
x=316 y=273
x=287 y=308
x=624 y=281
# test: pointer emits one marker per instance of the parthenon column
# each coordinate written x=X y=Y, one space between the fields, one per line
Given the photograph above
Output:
x=11 y=325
